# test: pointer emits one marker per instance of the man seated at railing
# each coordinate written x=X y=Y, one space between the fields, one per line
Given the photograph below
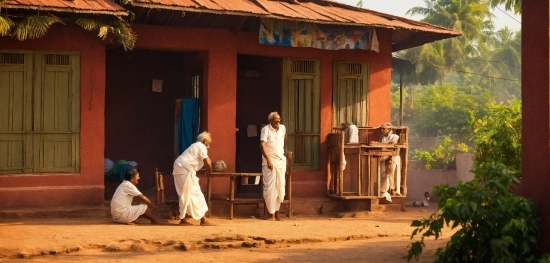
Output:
x=390 y=139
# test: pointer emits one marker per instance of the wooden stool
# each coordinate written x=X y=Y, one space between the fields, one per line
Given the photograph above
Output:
x=173 y=204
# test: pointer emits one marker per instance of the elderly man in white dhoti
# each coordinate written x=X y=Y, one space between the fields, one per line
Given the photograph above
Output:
x=272 y=144
x=122 y=209
x=388 y=138
x=191 y=198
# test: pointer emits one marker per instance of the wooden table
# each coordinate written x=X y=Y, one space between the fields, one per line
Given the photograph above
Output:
x=231 y=199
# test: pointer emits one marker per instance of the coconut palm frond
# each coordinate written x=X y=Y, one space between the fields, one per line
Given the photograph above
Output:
x=104 y=31
x=5 y=25
x=32 y=27
x=119 y=28
x=88 y=23
x=92 y=24
x=124 y=33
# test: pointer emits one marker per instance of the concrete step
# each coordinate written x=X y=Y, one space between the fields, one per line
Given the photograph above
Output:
x=56 y=212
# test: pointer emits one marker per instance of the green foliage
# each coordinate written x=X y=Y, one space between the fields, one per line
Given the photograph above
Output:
x=440 y=110
x=32 y=27
x=119 y=28
x=497 y=136
x=493 y=224
x=36 y=26
x=6 y=24
x=443 y=156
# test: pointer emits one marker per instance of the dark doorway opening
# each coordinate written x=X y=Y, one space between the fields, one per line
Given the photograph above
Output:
x=258 y=94
x=142 y=87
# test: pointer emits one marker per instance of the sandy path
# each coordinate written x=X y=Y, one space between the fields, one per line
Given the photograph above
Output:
x=363 y=237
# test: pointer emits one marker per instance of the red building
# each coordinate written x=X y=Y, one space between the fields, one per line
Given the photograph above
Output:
x=70 y=99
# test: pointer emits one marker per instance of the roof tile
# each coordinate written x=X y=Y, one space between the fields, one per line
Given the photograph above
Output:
x=73 y=6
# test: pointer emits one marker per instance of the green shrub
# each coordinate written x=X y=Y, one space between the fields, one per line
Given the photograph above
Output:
x=497 y=136
x=494 y=224
x=443 y=156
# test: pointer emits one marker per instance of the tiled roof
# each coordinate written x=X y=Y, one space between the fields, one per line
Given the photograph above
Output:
x=107 y=7
x=318 y=11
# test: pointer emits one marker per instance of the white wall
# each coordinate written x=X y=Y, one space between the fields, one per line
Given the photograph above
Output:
x=420 y=181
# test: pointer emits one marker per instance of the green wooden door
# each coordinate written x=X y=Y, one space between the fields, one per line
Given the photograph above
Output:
x=350 y=93
x=301 y=111
x=39 y=112
x=15 y=113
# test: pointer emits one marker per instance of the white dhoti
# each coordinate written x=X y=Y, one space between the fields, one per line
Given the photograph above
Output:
x=385 y=186
x=191 y=198
x=274 y=183
x=130 y=214
x=394 y=179
x=396 y=182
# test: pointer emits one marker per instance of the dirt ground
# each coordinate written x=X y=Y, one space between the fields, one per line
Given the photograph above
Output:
x=351 y=237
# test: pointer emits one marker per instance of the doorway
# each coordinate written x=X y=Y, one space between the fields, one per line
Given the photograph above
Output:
x=258 y=94
x=142 y=87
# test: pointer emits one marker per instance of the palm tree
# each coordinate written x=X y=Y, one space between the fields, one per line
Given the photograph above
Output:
x=509 y=5
x=470 y=17
x=36 y=26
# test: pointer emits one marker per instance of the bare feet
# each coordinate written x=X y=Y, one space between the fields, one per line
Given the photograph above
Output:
x=271 y=218
x=131 y=223
x=277 y=217
x=205 y=222
x=184 y=222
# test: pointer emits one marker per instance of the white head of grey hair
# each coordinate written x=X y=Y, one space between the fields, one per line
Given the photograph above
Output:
x=203 y=135
x=270 y=116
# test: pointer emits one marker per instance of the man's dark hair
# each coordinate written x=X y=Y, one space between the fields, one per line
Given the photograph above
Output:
x=130 y=173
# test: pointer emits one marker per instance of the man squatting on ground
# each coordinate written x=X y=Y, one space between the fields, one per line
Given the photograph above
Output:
x=272 y=144
x=191 y=198
x=122 y=209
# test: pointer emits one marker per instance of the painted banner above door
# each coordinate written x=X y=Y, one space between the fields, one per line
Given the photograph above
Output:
x=328 y=37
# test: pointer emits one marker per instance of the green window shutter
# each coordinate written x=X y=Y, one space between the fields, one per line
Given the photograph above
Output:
x=56 y=113
x=15 y=112
x=350 y=93
x=301 y=111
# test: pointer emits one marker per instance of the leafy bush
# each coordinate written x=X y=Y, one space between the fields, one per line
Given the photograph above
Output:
x=443 y=156
x=494 y=225
x=497 y=136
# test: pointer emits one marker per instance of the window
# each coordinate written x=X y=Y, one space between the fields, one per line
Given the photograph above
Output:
x=301 y=111
x=349 y=93
x=39 y=112
x=196 y=85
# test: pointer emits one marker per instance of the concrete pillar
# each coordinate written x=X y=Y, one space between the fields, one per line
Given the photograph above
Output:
x=221 y=105
x=535 y=81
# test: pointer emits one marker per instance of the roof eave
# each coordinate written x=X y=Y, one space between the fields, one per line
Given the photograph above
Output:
x=421 y=40
x=67 y=10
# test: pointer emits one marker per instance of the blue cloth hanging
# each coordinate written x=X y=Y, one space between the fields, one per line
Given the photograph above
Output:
x=188 y=123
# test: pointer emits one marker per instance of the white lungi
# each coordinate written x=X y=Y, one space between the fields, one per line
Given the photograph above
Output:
x=122 y=209
x=274 y=183
x=130 y=214
x=191 y=198
x=394 y=179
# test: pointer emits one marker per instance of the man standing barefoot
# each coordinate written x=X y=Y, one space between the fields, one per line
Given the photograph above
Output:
x=272 y=144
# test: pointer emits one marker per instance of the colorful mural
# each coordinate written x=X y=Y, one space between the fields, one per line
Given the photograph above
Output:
x=327 y=37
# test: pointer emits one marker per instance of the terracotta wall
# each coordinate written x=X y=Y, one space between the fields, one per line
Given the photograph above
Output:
x=218 y=49
x=535 y=79
x=86 y=187
x=222 y=47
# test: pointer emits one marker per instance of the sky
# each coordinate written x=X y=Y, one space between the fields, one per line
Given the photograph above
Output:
x=400 y=7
